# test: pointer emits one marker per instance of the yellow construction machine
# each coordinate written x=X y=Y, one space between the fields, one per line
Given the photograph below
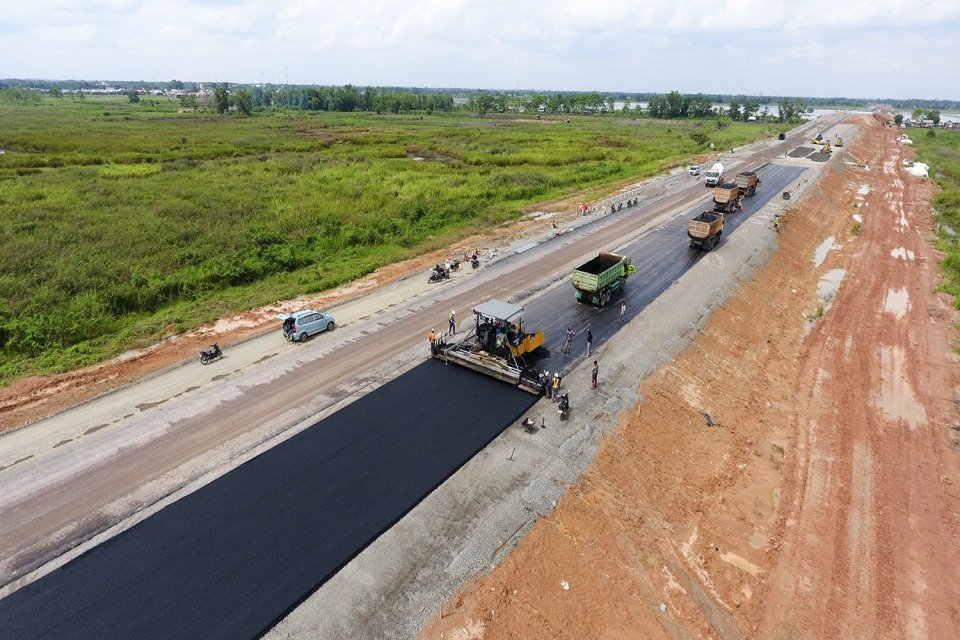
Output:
x=496 y=346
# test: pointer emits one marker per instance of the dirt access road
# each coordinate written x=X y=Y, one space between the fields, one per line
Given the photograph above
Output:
x=794 y=474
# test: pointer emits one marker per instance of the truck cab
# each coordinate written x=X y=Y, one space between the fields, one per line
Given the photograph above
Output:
x=714 y=177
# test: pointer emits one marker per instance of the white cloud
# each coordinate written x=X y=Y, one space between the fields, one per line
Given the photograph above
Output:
x=814 y=47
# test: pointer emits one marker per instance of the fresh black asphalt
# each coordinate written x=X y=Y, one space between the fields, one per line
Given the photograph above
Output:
x=231 y=559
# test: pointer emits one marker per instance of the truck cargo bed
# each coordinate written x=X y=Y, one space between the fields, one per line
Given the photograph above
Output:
x=748 y=182
x=601 y=263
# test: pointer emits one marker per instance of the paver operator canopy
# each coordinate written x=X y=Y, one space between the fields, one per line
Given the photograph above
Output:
x=499 y=329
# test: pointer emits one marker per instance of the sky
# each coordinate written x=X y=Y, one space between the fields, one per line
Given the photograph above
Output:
x=824 y=48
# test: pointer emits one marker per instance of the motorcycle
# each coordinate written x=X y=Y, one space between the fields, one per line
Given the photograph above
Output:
x=439 y=273
x=455 y=264
x=206 y=357
x=785 y=195
x=474 y=261
x=563 y=406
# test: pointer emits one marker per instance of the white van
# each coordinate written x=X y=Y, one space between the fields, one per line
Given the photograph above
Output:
x=300 y=325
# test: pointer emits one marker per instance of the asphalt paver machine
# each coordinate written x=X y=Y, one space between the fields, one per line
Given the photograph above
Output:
x=497 y=346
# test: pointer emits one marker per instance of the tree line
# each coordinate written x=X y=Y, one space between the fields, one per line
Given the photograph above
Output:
x=569 y=97
x=345 y=99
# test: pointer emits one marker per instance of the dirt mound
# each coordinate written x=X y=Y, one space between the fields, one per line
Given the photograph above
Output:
x=771 y=484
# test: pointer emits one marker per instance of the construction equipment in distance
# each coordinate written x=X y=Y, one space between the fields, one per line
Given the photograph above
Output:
x=714 y=176
x=496 y=346
x=726 y=197
x=748 y=181
x=705 y=230
x=839 y=142
x=597 y=278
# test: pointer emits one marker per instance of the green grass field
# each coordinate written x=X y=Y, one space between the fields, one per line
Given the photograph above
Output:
x=941 y=151
x=121 y=222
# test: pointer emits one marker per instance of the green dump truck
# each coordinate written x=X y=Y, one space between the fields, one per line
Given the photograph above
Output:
x=705 y=230
x=597 y=279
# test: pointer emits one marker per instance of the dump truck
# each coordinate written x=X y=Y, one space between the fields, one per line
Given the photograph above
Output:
x=748 y=181
x=705 y=230
x=726 y=197
x=597 y=278
x=715 y=176
x=498 y=346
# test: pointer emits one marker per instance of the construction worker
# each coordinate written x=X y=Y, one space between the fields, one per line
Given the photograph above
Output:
x=433 y=341
x=567 y=341
x=549 y=386
x=593 y=375
x=453 y=322
x=556 y=386
x=623 y=310
x=589 y=340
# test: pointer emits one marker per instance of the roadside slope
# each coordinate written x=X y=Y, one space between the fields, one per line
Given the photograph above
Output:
x=770 y=483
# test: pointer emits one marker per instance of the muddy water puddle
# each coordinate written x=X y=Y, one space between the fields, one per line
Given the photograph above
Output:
x=821 y=253
x=897 y=302
x=828 y=286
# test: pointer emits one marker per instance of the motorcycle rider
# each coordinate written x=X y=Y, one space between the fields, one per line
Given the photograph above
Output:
x=563 y=407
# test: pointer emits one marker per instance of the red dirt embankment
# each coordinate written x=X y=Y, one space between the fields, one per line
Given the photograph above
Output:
x=824 y=500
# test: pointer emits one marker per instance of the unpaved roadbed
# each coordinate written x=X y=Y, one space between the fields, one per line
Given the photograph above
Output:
x=771 y=483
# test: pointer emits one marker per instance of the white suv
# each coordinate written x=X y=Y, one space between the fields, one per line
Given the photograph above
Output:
x=302 y=324
x=694 y=170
